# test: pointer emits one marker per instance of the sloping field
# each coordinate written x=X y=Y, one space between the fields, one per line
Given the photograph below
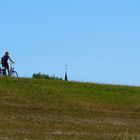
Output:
x=36 y=109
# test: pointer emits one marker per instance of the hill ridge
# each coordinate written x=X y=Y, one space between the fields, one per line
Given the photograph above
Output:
x=53 y=109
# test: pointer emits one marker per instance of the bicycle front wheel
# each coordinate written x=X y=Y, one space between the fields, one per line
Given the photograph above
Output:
x=14 y=74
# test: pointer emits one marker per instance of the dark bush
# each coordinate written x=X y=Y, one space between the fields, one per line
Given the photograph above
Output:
x=45 y=76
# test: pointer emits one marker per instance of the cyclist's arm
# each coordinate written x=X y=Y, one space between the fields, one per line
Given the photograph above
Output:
x=11 y=60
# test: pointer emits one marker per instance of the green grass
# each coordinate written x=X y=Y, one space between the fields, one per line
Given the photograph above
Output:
x=39 y=109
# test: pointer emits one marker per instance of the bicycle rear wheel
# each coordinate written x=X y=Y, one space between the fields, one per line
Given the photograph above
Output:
x=14 y=74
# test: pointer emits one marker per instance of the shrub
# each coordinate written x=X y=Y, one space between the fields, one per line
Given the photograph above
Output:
x=45 y=76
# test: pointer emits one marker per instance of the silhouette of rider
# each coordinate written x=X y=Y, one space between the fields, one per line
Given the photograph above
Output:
x=5 y=64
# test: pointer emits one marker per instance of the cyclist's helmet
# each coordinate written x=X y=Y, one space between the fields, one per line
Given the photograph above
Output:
x=7 y=53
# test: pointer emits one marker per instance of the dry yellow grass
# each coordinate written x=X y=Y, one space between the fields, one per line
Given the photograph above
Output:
x=32 y=109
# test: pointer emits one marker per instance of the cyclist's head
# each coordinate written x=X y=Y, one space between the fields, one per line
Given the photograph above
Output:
x=7 y=53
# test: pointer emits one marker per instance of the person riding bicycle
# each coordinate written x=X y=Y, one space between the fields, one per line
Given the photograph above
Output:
x=4 y=61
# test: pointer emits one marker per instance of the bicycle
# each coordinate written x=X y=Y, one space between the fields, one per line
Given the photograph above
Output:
x=13 y=73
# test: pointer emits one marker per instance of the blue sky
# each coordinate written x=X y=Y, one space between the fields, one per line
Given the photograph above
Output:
x=99 y=40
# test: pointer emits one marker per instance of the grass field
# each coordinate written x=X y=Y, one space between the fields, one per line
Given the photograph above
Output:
x=39 y=109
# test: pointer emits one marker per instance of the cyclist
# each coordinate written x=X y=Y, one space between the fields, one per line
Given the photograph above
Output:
x=4 y=61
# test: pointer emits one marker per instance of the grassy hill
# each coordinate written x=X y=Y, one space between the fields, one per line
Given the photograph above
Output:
x=37 y=109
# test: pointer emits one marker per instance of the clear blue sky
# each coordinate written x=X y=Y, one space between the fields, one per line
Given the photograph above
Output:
x=99 y=40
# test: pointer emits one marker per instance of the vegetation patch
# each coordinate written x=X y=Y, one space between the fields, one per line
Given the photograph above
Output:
x=42 y=109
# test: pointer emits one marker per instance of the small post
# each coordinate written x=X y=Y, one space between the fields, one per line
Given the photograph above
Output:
x=66 y=76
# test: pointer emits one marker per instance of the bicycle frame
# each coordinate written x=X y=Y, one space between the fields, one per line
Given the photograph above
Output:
x=11 y=68
x=2 y=71
x=13 y=73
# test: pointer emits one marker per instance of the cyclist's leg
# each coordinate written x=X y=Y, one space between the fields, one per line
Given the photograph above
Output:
x=4 y=71
x=7 y=68
x=8 y=72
